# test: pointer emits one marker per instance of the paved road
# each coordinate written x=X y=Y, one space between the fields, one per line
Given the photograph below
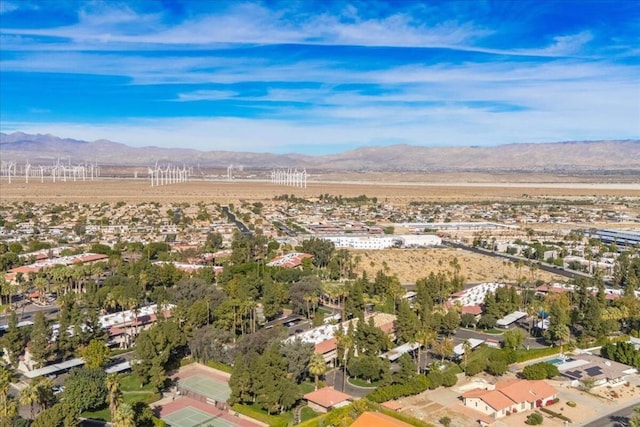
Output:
x=541 y=265
x=232 y=218
x=334 y=377
x=620 y=418
x=29 y=312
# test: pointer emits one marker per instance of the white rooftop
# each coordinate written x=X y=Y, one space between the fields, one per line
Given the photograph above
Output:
x=510 y=318
x=459 y=349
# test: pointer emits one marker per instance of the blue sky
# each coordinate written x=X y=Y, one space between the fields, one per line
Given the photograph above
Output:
x=320 y=77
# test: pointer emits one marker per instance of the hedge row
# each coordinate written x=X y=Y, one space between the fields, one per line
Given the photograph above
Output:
x=416 y=385
x=555 y=414
x=272 y=420
x=524 y=355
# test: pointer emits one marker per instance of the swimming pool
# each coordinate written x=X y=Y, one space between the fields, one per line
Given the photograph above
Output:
x=558 y=361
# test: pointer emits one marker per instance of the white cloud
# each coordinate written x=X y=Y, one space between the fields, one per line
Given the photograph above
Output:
x=7 y=6
x=252 y=24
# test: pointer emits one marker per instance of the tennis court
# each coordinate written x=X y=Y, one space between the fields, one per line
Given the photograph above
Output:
x=206 y=386
x=192 y=417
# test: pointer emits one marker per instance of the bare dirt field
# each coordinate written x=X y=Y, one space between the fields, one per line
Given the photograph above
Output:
x=135 y=191
x=412 y=264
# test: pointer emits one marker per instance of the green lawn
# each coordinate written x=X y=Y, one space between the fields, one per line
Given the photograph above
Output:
x=307 y=414
x=131 y=393
x=306 y=387
x=131 y=382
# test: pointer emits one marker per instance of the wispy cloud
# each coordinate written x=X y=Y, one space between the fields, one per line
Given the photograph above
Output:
x=256 y=75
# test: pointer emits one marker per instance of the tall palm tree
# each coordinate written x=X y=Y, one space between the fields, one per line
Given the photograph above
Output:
x=41 y=285
x=44 y=389
x=562 y=334
x=5 y=382
x=5 y=290
x=29 y=396
x=466 y=347
x=112 y=382
x=346 y=341
x=317 y=367
x=424 y=337
x=124 y=416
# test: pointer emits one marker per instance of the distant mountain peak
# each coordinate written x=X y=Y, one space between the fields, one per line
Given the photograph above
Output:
x=560 y=156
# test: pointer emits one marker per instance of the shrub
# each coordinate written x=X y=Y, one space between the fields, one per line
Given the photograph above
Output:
x=475 y=367
x=540 y=371
x=416 y=385
x=445 y=421
x=534 y=419
x=555 y=414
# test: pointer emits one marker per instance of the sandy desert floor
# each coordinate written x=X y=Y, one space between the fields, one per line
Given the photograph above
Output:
x=412 y=264
x=130 y=190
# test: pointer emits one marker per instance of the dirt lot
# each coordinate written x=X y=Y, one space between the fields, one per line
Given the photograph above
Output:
x=412 y=264
x=130 y=190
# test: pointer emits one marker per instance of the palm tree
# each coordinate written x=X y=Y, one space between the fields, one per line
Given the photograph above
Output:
x=5 y=289
x=44 y=387
x=466 y=347
x=562 y=334
x=41 y=285
x=29 y=396
x=8 y=408
x=317 y=366
x=424 y=337
x=112 y=383
x=124 y=416
x=346 y=341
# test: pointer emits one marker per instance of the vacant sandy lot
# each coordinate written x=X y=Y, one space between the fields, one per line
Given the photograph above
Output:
x=130 y=190
x=412 y=264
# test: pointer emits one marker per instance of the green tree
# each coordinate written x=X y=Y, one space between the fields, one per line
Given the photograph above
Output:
x=450 y=322
x=40 y=337
x=487 y=321
x=406 y=323
x=634 y=421
x=124 y=416
x=12 y=340
x=443 y=348
x=513 y=338
x=558 y=332
x=467 y=320
x=56 y=416
x=114 y=394
x=85 y=389
x=8 y=405
x=497 y=364
x=298 y=355
x=466 y=347
x=320 y=249
x=540 y=371
x=29 y=397
x=317 y=367
x=95 y=355
x=407 y=370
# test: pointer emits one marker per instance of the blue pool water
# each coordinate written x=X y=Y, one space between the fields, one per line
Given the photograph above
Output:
x=557 y=361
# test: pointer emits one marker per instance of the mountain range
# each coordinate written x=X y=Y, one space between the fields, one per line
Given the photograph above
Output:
x=614 y=155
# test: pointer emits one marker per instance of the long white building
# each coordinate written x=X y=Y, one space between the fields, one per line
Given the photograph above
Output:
x=350 y=241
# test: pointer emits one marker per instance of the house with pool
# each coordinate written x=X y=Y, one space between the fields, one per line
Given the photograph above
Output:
x=596 y=370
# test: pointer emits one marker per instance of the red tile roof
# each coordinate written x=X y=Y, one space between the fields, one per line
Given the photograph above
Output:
x=327 y=397
x=326 y=346
x=472 y=309
x=377 y=419
x=512 y=392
